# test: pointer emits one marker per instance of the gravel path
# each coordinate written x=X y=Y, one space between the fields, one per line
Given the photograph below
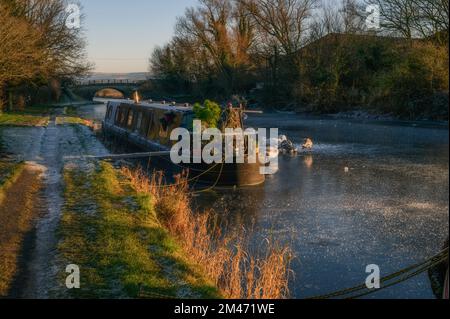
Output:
x=47 y=147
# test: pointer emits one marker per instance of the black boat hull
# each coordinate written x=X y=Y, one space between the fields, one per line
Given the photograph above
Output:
x=221 y=175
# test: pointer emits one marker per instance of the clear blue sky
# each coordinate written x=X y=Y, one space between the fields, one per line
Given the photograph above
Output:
x=121 y=34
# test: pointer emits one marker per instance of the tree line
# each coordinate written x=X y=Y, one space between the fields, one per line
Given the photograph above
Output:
x=37 y=47
x=311 y=55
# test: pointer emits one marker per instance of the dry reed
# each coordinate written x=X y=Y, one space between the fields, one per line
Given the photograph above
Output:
x=223 y=258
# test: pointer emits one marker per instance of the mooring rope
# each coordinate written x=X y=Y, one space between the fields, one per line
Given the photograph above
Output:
x=214 y=185
x=419 y=269
x=407 y=277
x=143 y=294
x=191 y=179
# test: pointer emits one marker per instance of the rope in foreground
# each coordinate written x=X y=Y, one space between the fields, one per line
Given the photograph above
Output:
x=391 y=280
x=354 y=292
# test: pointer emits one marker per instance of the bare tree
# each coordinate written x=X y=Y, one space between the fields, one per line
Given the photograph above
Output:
x=398 y=16
x=222 y=28
x=65 y=46
x=432 y=18
x=415 y=18
x=345 y=17
x=353 y=20
x=329 y=20
x=284 y=21
x=244 y=33
x=37 y=46
x=21 y=56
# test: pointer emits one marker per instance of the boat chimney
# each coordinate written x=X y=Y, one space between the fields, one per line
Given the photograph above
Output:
x=136 y=97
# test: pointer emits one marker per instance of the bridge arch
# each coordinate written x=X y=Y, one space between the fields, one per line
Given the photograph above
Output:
x=110 y=92
x=91 y=89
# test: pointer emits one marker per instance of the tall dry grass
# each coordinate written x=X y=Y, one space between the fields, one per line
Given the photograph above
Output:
x=224 y=258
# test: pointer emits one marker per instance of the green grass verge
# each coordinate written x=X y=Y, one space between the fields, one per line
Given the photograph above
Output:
x=40 y=116
x=70 y=120
x=112 y=233
x=21 y=119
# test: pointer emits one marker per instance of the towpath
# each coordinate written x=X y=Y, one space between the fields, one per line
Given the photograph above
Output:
x=46 y=148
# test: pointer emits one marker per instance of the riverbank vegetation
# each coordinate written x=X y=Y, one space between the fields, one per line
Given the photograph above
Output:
x=134 y=238
x=37 y=50
x=22 y=119
x=17 y=180
x=222 y=256
x=40 y=116
x=32 y=116
x=311 y=56
x=71 y=120
x=112 y=233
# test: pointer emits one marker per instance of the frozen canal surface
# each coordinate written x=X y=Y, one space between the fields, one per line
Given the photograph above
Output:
x=391 y=208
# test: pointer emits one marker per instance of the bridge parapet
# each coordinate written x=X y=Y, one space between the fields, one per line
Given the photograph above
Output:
x=108 y=82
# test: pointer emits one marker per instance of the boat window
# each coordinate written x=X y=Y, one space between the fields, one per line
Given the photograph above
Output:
x=117 y=116
x=124 y=117
x=122 y=113
x=130 y=118
x=144 y=125
x=151 y=125
x=188 y=121
x=139 y=122
x=167 y=121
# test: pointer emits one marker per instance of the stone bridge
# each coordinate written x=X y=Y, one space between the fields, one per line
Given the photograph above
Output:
x=105 y=88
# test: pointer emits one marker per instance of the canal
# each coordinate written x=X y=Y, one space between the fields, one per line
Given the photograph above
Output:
x=369 y=193
x=390 y=208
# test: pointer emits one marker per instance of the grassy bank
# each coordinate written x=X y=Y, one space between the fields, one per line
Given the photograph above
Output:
x=71 y=120
x=18 y=181
x=130 y=234
x=70 y=116
x=113 y=234
x=222 y=254
x=40 y=116
x=23 y=119
x=32 y=116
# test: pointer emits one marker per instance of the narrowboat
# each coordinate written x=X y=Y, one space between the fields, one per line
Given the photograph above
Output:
x=148 y=126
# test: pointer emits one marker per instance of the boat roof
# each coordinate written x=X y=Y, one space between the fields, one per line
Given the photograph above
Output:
x=155 y=105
